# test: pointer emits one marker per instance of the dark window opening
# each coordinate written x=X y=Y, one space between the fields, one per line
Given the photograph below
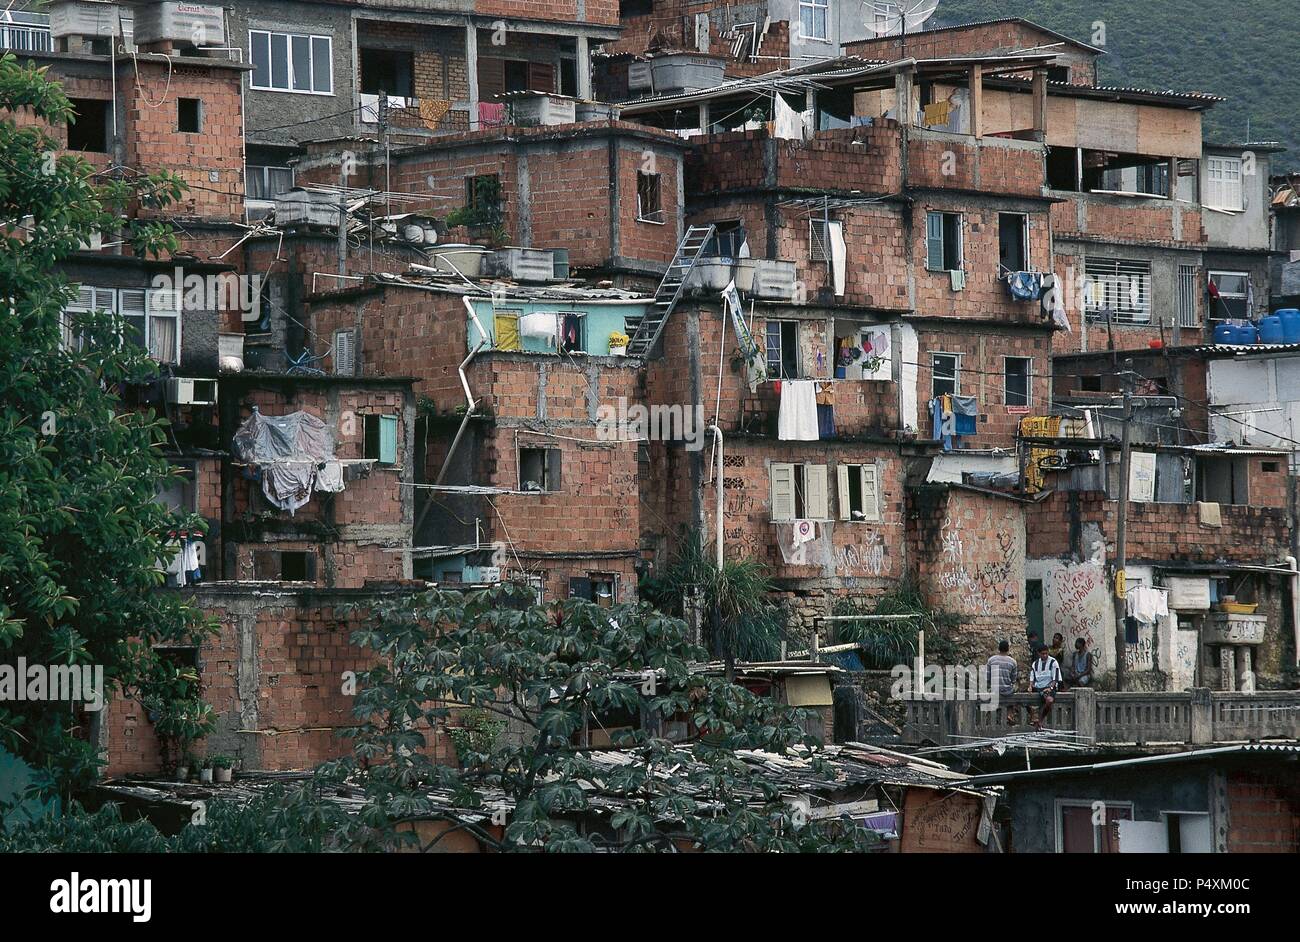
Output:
x=595 y=587
x=1013 y=241
x=1269 y=467
x=539 y=469
x=1058 y=73
x=1126 y=173
x=636 y=7
x=569 y=77
x=387 y=71
x=1016 y=375
x=1090 y=383
x=516 y=75
x=727 y=239
x=1063 y=168
x=189 y=116
x=89 y=130
x=649 y=205
x=284 y=566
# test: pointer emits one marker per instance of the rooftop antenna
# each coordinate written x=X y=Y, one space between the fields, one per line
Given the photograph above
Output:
x=896 y=17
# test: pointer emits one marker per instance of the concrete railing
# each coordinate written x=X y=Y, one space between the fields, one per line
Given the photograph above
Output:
x=1199 y=716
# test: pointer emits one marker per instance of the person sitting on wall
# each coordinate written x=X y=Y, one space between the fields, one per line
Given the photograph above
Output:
x=1079 y=665
x=1057 y=648
x=1044 y=680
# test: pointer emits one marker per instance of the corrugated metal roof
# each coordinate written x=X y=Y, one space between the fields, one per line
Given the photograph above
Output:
x=1289 y=747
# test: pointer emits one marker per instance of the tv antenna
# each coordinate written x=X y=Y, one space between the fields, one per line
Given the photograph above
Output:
x=896 y=17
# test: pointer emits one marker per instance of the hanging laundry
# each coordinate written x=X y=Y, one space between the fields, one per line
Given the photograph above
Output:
x=1147 y=603
x=943 y=422
x=967 y=411
x=755 y=361
x=1025 y=285
x=329 y=477
x=797 y=420
x=539 y=326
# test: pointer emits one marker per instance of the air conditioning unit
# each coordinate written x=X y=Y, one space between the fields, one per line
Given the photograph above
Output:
x=192 y=392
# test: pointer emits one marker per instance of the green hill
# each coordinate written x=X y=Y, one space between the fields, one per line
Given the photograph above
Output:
x=1247 y=52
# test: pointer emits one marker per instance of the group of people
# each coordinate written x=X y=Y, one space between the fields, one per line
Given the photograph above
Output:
x=1047 y=675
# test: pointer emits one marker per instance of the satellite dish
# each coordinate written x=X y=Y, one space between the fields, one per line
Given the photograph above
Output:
x=896 y=17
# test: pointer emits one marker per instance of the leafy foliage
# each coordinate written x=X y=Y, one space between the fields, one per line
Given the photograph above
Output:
x=550 y=671
x=1235 y=51
x=888 y=643
x=751 y=627
x=80 y=533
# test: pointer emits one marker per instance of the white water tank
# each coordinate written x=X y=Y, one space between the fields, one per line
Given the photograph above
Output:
x=191 y=24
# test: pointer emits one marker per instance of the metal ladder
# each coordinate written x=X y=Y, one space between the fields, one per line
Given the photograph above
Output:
x=649 y=327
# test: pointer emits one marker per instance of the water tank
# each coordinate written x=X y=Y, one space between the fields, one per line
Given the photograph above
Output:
x=1290 y=318
x=190 y=24
x=1271 y=330
x=1225 y=333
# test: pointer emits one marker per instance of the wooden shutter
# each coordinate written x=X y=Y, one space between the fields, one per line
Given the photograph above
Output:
x=842 y=473
x=815 y=500
x=870 y=493
x=934 y=241
x=491 y=78
x=553 y=469
x=782 y=475
x=388 y=439
x=507 y=331
x=541 y=77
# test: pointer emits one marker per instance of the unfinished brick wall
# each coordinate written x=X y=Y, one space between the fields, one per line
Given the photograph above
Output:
x=958 y=161
x=977 y=39
x=968 y=554
x=602 y=12
x=438 y=57
x=1263 y=811
x=274 y=675
x=211 y=162
x=356 y=534
x=1164 y=531
x=863 y=159
x=1127 y=221
x=982 y=374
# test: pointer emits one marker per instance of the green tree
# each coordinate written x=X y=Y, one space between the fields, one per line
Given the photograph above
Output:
x=552 y=671
x=80 y=533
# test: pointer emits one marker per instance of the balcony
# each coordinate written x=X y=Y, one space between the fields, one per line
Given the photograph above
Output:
x=1197 y=717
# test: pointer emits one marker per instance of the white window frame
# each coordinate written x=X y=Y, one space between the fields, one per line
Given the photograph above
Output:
x=819 y=240
x=1188 y=285
x=1108 y=279
x=812 y=8
x=781 y=349
x=263 y=171
x=311 y=55
x=868 y=480
x=1223 y=184
x=1029 y=382
x=1216 y=313
x=956 y=371
x=150 y=305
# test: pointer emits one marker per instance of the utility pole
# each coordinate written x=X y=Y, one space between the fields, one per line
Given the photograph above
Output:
x=1121 y=529
x=343 y=220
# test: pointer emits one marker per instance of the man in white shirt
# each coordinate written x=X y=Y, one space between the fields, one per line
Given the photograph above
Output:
x=1044 y=678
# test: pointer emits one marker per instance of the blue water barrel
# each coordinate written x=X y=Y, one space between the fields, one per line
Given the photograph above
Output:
x=1247 y=334
x=1290 y=318
x=1271 y=330
x=1225 y=333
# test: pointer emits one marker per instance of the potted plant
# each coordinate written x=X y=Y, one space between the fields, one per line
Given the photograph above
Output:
x=618 y=342
x=222 y=767
x=205 y=771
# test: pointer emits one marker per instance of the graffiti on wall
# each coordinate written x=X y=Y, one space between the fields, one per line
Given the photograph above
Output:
x=983 y=587
x=866 y=557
